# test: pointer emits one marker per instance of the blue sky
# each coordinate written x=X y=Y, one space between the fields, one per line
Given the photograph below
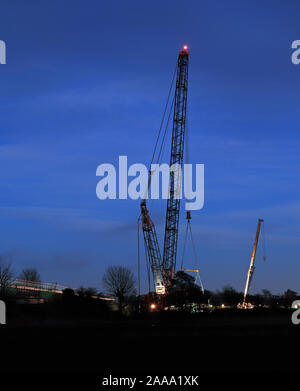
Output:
x=86 y=81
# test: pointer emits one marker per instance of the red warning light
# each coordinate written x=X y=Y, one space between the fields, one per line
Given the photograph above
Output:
x=184 y=51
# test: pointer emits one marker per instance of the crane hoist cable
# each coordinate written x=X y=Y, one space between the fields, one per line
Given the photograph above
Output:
x=188 y=226
x=162 y=143
x=197 y=269
x=163 y=117
x=139 y=257
x=264 y=242
x=161 y=148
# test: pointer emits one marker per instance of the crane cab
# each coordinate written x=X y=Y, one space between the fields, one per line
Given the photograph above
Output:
x=160 y=289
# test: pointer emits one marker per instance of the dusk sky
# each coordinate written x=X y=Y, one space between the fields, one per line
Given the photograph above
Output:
x=87 y=81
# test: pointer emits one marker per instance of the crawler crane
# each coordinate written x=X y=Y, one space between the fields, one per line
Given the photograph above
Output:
x=163 y=267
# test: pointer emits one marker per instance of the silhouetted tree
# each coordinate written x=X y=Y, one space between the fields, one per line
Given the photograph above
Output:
x=266 y=293
x=6 y=276
x=30 y=275
x=120 y=282
x=184 y=291
x=86 y=292
x=81 y=291
x=230 y=296
x=68 y=293
x=267 y=296
x=290 y=295
x=257 y=299
x=91 y=291
x=216 y=298
x=183 y=280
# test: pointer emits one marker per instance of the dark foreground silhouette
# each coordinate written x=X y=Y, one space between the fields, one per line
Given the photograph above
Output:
x=228 y=342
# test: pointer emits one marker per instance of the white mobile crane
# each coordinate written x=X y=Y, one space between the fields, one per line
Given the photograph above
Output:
x=252 y=267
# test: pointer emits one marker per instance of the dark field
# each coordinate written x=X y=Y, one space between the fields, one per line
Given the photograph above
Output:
x=222 y=342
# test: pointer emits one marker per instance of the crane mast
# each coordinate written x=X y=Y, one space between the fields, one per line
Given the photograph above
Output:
x=176 y=161
x=251 y=267
x=162 y=269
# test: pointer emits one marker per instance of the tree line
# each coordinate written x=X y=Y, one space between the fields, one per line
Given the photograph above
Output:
x=120 y=283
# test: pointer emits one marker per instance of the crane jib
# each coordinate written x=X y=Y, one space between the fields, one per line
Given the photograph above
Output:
x=177 y=148
x=163 y=268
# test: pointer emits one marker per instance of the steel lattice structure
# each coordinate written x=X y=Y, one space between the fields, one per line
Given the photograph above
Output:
x=163 y=269
x=152 y=249
x=176 y=161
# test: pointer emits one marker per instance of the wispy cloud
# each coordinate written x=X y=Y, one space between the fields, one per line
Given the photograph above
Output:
x=69 y=219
